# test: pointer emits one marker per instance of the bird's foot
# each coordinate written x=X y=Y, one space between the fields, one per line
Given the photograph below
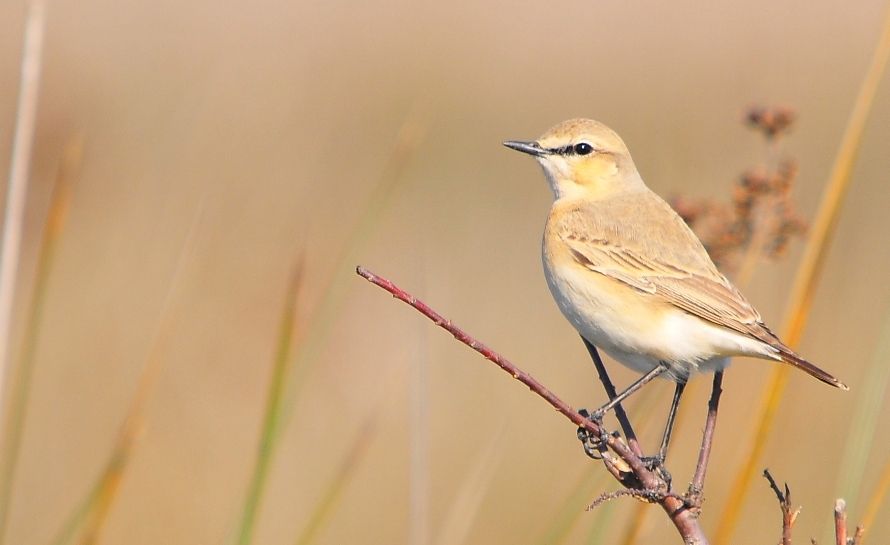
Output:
x=655 y=464
x=593 y=445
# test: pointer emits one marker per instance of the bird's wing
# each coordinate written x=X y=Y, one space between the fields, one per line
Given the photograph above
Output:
x=656 y=253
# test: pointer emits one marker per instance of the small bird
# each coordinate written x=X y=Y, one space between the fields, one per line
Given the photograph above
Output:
x=631 y=276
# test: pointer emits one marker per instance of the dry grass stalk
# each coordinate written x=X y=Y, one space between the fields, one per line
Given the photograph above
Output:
x=92 y=513
x=19 y=174
x=877 y=499
x=806 y=280
x=465 y=507
x=20 y=390
x=343 y=475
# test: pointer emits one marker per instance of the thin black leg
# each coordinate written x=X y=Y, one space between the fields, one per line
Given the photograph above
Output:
x=623 y=420
x=669 y=428
x=640 y=382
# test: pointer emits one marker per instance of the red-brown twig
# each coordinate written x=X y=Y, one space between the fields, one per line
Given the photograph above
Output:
x=684 y=519
x=704 y=454
x=789 y=514
x=840 y=522
x=840 y=526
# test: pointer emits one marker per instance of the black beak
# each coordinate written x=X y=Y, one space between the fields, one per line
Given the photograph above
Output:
x=531 y=148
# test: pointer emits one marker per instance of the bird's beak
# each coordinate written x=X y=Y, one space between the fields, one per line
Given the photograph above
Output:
x=531 y=148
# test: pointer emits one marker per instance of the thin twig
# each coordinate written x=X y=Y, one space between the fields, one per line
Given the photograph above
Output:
x=620 y=414
x=789 y=514
x=645 y=496
x=684 y=520
x=840 y=522
x=704 y=454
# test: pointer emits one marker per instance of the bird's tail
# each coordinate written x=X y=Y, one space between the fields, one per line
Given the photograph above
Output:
x=788 y=356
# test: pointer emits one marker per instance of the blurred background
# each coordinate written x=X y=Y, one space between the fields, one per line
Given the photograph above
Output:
x=224 y=144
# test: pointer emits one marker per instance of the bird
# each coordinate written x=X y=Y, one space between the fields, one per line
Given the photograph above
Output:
x=631 y=276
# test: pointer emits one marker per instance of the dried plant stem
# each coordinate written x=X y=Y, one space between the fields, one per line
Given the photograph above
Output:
x=756 y=249
x=807 y=278
x=568 y=514
x=92 y=513
x=352 y=461
x=55 y=219
x=635 y=525
x=647 y=482
x=876 y=499
x=19 y=173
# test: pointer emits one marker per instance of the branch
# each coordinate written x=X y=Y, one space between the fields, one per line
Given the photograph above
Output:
x=683 y=518
x=789 y=514
x=840 y=526
x=704 y=454
x=840 y=522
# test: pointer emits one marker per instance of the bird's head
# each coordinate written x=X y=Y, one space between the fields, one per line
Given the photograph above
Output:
x=583 y=158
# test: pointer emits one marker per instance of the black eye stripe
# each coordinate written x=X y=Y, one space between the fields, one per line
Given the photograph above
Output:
x=573 y=149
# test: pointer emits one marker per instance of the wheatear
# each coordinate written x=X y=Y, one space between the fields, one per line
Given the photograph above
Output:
x=630 y=275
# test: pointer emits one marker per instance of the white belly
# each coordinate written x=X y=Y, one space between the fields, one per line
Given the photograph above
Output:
x=638 y=331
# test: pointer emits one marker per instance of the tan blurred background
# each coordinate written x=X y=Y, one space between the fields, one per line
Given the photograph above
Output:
x=281 y=117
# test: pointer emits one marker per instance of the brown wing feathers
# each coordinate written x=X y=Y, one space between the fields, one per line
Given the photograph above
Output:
x=689 y=282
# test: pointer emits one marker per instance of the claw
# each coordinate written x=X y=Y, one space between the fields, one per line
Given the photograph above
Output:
x=593 y=446
x=656 y=465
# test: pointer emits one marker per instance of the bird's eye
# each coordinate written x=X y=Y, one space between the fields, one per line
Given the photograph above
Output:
x=583 y=148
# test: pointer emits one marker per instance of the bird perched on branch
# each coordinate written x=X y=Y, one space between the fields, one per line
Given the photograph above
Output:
x=631 y=276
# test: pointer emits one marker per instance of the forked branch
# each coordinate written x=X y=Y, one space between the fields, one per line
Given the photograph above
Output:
x=789 y=514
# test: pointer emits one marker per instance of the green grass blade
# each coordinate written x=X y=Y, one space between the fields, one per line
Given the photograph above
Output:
x=591 y=480
x=289 y=375
x=331 y=497
x=864 y=423
x=465 y=507
x=280 y=373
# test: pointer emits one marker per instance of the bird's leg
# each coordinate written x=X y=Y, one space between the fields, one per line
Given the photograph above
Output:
x=639 y=383
x=656 y=463
x=623 y=420
x=669 y=427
